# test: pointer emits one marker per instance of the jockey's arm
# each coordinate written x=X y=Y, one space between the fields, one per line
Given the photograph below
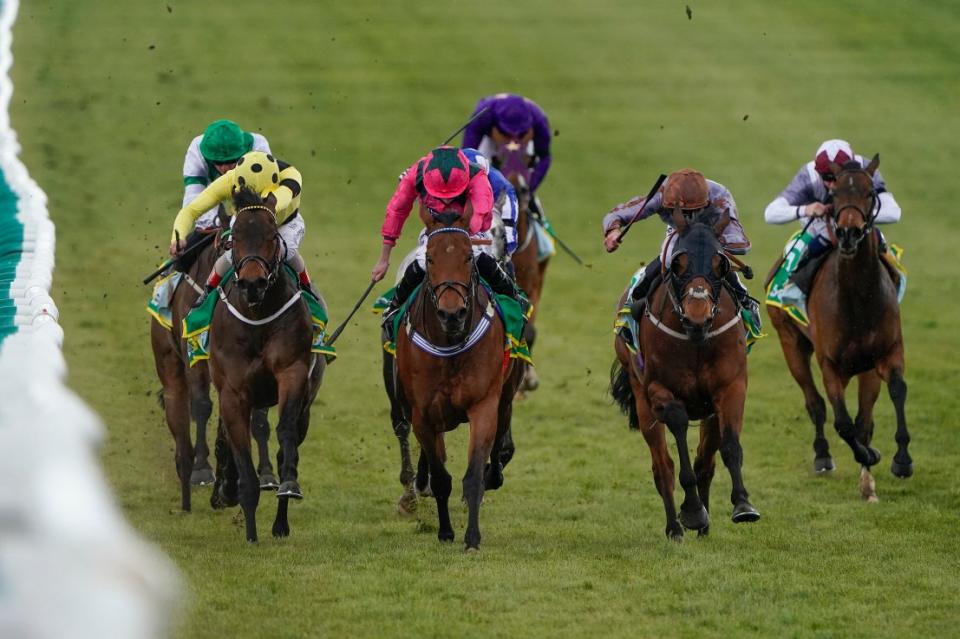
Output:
x=791 y=205
x=481 y=198
x=541 y=148
x=733 y=238
x=889 y=209
x=210 y=197
x=399 y=207
x=288 y=193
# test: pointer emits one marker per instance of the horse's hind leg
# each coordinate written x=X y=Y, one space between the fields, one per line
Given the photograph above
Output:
x=225 y=485
x=176 y=410
x=892 y=374
x=729 y=406
x=407 y=504
x=868 y=391
x=503 y=447
x=260 y=428
x=705 y=463
x=432 y=450
x=235 y=413
x=201 y=407
x=797 y=351
x=835 y=385
x=671 y=412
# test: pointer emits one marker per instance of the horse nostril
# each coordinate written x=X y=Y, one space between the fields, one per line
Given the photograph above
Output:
x=462 y=314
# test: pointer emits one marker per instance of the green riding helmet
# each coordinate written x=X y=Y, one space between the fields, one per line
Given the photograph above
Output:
x=224 y=141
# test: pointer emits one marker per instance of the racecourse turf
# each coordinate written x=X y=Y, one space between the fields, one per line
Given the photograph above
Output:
x=107 y=96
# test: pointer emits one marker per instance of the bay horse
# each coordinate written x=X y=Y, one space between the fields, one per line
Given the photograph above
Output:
x=854 y=330
x=185 y=392
x=692 y=365
x=513 y=161
x=260 y=341
x=450 y=368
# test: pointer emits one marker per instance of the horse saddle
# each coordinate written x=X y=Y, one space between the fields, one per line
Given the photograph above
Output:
x=807 y=269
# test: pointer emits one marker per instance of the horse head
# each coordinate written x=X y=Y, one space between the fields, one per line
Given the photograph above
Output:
x=696 y=272
x=257 y=250
x=451 y=276
x=854 y=203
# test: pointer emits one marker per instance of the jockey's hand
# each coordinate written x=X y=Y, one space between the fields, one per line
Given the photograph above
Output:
x=611 y=241
x=177 y=247
x=817 y=209
x=380 y=269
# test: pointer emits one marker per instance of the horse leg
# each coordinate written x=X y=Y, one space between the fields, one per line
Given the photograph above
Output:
x=225 y=485
x=175 y=405
x=198 y=380
x=235 y=412
x=407 y=504
x=797 y=351
x=483 y=431
x=671 y=412
x=868 y=391
x=891 y=371
x=260 y=428
x=432 y=449
x=729 y=406
x=493 y=473
x=835 y=386
x=705 y=463
x=292 y=395
x=281 y=525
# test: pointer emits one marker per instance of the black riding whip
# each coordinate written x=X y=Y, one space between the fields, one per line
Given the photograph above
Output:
x=652 y=192
x=466 y=124
x=203 y=242
x=333 y=337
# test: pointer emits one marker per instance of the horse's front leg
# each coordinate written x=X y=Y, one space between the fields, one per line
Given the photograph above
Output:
x=407 y=504
x=663 y=469
x=891 y=371
x=433 y=452
x=483 y=431
x=235 y=413
x=260 y=427
x=672 y=412
x=729 y=406
x=292 y=395
x=704 y=465
x=835 y=385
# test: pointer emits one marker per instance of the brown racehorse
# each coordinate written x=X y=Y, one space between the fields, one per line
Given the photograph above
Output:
x=854 y=330
x=694 y=366
x=186 y=390
x=514 y=162
x=260 y=340
x=450 y=369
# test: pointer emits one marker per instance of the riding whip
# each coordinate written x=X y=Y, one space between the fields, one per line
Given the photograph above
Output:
x=466 y=124
x=333 y=337
x=206 y=239
x=652 y=192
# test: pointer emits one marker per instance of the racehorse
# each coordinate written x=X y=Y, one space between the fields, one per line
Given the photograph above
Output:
x=186 y=390
x=514 y=162
x=450 y=368
x=854 y=330
x=692 y=364
x=260 y=342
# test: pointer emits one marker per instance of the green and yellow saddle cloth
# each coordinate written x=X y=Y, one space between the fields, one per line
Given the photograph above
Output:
x=784 y=294
x=159 y=305
x=504 y=306
x=626 y=326
x=196 y=325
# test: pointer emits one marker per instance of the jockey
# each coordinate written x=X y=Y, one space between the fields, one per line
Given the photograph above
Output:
x=691 y=192
x=278 y=183
x=810 y=193
x=505 y=203
x=211 y=155
x=443 y=180
x=512 y=117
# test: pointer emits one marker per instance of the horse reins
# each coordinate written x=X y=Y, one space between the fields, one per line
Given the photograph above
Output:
x=437 y=290
x=271 y=268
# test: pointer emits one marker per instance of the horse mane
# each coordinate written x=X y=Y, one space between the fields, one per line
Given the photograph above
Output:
x=245 y=196
x=851 y=165
x=447 y=218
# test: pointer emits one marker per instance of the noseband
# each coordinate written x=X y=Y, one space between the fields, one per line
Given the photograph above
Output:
x=270 y=268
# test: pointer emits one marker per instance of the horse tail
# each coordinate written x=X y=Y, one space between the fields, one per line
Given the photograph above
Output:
x=622 y=393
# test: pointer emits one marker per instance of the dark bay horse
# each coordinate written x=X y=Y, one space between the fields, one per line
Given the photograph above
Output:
x=260 y=341
x=451 y=368
x=854 y=331
x=186 y=390
x=513 y=161
x=694 y=366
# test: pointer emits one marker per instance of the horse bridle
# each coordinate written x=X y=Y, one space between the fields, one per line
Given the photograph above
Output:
x=868 y=218
x=463 y=289
x=270 y=268
x=675 y=283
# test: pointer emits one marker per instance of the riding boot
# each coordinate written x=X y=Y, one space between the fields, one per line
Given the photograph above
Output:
x=412 y=278
x=638 y=298
x=749 y=304
x=500 y=282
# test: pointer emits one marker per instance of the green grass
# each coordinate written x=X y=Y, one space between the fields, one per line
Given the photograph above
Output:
x=107 y=97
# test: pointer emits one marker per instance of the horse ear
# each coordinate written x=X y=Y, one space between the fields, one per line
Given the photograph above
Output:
x=722 y=223
x=874 y=163
x=679 y=222
x=835 y=168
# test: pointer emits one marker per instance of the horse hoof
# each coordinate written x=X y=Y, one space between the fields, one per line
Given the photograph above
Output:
x=290 y=489
x=493 y=479
x=873 y=457
x=823 y=465
x=426 y=491
x=745 y=513
x=675 y=532
x=281 y=530
x=901 y=470
x=268 y=481
x=407 y=504
x=696 y=520
x=201 y=477
x=445 y=535
x=703 y=532
x=471 y=550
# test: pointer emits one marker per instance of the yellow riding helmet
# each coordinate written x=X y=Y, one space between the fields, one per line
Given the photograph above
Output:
x=258 y=171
